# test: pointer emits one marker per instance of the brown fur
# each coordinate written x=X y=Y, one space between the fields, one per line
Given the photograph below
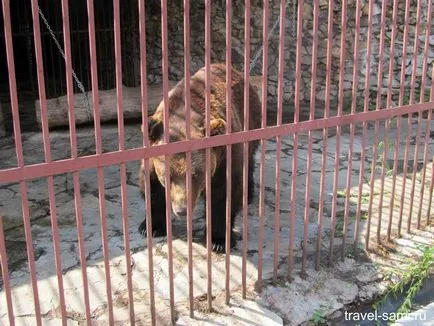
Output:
x=218 y=125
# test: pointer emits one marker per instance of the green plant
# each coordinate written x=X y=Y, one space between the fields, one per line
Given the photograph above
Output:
x=410 y=280
x=317 y=317
x=339 y=225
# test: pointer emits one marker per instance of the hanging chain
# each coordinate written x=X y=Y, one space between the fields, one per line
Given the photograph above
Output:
x=77 y=81
x=270 y=33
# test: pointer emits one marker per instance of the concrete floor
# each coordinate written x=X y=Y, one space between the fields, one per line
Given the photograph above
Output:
x=10 y=209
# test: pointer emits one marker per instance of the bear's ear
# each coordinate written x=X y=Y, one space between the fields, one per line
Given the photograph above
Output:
x=155 y=130
x=218 y=126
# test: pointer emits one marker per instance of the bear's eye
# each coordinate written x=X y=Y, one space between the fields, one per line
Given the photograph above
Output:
x=197 y=175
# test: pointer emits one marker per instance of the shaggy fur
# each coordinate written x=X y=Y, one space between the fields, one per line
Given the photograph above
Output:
x=177 y=132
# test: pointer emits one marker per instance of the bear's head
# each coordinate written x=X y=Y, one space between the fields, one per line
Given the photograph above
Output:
x=178 y=163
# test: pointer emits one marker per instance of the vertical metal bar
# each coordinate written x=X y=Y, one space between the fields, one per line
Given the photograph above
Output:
x=73 y=140
x=121 y=141
x=353 y=126
x=144 y=98
x=409 y=126
x=47 y=152
x=5 y=274
x=296 y=113
x=279 y=139
x=398 y=124
x=421 y=100
x=164 y=47
x=20 y=158
x=389 y=107
x=188 y=154
x=365 y=109
x=412 y=99
x=246 y=144
x=263 y=141
x=228 y=147
x=208 y=150
x=309 y=147
x=98 y=142
x=338 y=131
x=377 y=122
x=325 y=133
x=431 y=188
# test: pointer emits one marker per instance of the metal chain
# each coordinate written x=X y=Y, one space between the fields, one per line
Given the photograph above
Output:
x=77 y=81
x=271 y=32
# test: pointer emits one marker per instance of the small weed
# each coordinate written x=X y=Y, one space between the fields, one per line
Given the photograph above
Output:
x=411 y=280
x=339 y=225
x=365 y=199
x=317 y=317
x=393 y=123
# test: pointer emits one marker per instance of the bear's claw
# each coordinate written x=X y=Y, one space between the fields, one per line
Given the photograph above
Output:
x=219 y=245
x=156 y=232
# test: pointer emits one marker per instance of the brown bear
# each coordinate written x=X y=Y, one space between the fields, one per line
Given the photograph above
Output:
x=177 y=132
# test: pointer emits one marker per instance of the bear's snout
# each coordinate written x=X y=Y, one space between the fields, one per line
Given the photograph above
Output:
x=180 y=211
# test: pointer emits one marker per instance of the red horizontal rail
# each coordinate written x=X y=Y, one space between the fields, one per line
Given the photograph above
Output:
x=106 y=159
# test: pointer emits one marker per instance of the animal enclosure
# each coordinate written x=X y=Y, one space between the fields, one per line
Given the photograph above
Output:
x=345 y=160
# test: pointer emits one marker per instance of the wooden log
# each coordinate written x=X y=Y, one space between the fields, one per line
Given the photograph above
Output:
x=57 y=108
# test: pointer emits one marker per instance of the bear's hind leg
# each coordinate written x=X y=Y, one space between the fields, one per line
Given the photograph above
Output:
x=218 y=225
x=158 y=209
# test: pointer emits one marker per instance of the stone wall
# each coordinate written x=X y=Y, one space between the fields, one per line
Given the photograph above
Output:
x=176 y=48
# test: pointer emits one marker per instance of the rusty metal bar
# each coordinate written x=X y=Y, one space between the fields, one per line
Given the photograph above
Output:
x=263 y=141
x=297 y=91
x=398 y=124
x=228 y=147
x=412 y=100
x=208 y=150
x=431 y=188
x=144 y=102
x=5 y=274
x=279 y=139
x=421 y=100
x=123 y=173
x=246 y=144
x=188 y=154
x=311 y=117
x=389 y=106
x=366 y=109
x=377 y=122
x=98 y=142
x=165 y=71
x=20 y=158
x=47 y=154
x=33 y=171
x=409 y=128
x=324 y=133
x=73 y=141
x=353 y=127
x=338 y=131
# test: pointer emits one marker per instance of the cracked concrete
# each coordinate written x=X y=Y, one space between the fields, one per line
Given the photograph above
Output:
x=349 y=281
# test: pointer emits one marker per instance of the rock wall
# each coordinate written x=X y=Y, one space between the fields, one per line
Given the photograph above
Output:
x=176 y=47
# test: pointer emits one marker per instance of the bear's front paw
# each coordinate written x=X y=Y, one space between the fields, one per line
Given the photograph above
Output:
x=157 y=232
x=219 y=245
